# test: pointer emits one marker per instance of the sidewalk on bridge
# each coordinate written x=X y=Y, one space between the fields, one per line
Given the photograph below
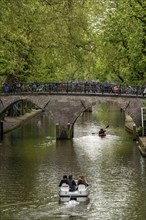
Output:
x=10 y=123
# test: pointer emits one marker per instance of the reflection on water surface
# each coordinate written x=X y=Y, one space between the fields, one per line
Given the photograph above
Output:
x=32 y=163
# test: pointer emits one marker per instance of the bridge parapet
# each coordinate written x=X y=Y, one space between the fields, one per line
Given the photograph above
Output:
x=65 y=108
x=73 y=87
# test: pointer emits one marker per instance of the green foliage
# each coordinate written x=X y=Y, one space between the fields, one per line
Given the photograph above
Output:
x=67 y=40
x=139 y=131
x=123 y=34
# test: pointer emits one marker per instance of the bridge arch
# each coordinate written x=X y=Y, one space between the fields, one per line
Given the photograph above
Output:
x=5 y=106
x=90 y=105
x=66 y=108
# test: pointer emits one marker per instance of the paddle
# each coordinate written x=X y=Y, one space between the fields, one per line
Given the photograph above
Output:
x=104 y=129
x=106 y=126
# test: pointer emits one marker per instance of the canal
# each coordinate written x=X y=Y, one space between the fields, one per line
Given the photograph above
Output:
x=32 y=163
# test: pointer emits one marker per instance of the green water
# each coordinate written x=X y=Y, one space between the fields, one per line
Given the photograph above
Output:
x=32 y=163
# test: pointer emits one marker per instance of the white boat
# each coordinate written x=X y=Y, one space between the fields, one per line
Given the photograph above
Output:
x=80 y=194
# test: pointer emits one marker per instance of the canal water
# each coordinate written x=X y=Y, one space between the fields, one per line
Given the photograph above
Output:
x=32 y=163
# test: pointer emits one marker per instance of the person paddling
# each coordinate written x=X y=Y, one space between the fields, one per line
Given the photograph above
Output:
x=101 y=131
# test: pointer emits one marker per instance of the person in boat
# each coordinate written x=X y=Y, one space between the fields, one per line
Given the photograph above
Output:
x=64 y=180
x=72 y=183
x=82 y=180
x=102 y=131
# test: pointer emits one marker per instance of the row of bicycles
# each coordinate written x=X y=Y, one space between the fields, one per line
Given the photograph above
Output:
x=73 y=87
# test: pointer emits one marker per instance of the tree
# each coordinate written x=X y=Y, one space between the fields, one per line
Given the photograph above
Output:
x=123 y=37
x=63 y=40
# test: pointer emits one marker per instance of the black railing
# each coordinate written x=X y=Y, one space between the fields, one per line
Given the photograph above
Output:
x=74 y=87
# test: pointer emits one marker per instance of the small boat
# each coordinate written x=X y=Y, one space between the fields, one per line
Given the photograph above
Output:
x=80 y=194
x=102 y=134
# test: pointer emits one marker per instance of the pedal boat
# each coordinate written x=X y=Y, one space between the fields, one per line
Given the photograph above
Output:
x=80 y=194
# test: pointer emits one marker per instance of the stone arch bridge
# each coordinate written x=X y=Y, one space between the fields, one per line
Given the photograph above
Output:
x=66 y=108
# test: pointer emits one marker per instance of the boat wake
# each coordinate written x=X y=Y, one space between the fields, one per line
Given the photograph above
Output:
x=71 y=203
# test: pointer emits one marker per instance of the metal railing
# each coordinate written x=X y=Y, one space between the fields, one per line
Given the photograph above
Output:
x=74 y=87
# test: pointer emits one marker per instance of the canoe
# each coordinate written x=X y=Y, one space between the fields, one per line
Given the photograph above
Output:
x=102 y=134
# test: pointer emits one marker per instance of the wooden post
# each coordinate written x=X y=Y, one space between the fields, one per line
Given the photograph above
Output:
x=64 y=133
x=69 y=131
x=134 y=132
x=57 y=131
x=22 y=107
x=1 y=131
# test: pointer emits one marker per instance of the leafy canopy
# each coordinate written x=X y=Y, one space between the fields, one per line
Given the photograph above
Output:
x=64 y=40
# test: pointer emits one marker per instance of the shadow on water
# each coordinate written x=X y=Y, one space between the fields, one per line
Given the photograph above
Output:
x=32 y=163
